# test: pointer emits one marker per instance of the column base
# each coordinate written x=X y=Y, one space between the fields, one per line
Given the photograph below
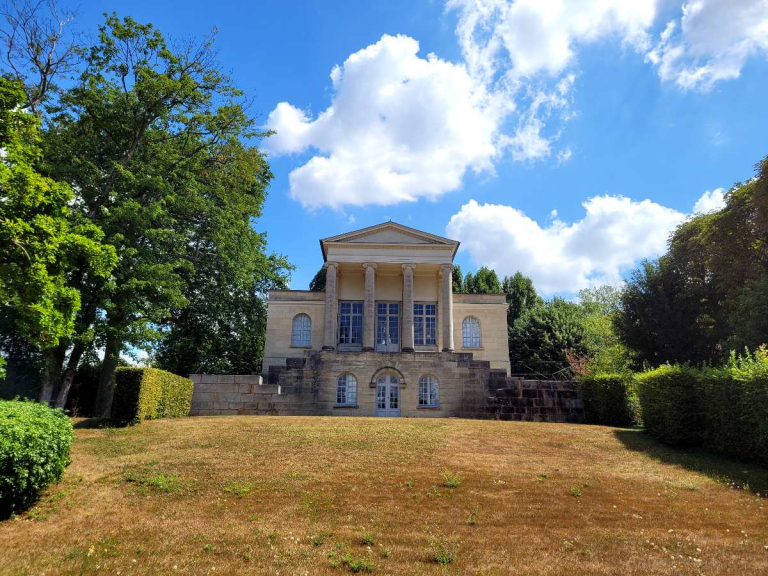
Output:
x=407 y=350
x=447 y=349
x=330 y=348
x=367 y=349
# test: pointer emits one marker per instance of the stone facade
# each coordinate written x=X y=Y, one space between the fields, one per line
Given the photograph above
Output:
x=387 y=337
x=468 y=389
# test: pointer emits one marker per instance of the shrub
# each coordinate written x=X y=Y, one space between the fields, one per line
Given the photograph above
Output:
x=609 y=399
x=34 y=451
x=736 y=407
x=148 y=394
x=671 y=404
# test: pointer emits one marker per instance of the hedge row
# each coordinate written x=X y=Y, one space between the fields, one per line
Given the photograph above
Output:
x=148 y=394
x=34 y=451
x=609 y=399
x=723 y=409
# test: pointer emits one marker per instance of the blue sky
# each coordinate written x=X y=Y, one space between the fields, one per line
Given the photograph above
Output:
x=619 y=118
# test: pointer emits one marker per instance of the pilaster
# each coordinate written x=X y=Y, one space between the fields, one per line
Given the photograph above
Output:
x=369 y=307
x=407 y=336
x=331 y=306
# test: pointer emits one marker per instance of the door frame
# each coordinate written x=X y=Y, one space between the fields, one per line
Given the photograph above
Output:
x=392 y=383
x=388 y=347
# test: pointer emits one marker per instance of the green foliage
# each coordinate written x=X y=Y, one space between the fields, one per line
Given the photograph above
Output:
x=457 y=280
x=609 y=399
x=39 y=243
x=748 y=316
x=149 y=394
x=609 y=354
x=153 y=139
x=549 y=332
x=671 y=402
x=706 y=295
x=485 y=281
x=521 y=296
x=736 y=407
x=317 y=284
x=34 y=451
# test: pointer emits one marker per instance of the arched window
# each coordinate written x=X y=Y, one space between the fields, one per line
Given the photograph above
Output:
x=301 y=334
x=429 y=392
x=346 y=390
x=470 y=330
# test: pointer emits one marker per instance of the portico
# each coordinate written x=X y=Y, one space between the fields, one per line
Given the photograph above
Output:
x=388 y=303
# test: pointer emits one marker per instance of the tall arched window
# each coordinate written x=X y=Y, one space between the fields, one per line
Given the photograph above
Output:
x=470 y=330
x=429 y=392
x=346 y=390
x=301 y=335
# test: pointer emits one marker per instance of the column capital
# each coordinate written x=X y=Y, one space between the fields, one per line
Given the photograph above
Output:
x=408 y=265
x=370 y=265
x=446 y=267
x=329 y=264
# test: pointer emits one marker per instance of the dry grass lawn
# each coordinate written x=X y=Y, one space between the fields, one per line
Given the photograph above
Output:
x=292 y=496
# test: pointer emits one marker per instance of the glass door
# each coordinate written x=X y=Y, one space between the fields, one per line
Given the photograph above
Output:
x=387 y=327
x=387 y=396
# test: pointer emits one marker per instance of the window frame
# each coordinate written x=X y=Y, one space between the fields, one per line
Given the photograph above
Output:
x=468 y=339
x=420 y=323
x=352 y=327
x=303 y=331
x=347 y=388
x=429 y=391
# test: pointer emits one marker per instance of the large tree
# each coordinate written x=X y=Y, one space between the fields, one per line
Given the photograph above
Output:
x=548 y=333
x=152 y=139
x=703 y=297
x=40 y=241
x=521 y=295
x=485 y=281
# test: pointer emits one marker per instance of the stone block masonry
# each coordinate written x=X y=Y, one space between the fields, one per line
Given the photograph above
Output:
x=468 y=388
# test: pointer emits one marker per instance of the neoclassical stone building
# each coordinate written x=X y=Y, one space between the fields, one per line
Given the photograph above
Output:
x=388 y=336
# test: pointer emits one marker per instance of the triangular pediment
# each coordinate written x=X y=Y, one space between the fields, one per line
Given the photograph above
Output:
x=389 y=233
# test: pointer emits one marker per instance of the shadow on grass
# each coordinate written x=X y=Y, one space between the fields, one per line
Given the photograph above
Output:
x=741 y=475
x=85 y=423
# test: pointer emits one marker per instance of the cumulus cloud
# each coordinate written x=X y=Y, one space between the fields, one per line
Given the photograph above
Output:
x=710 y=201
x=400 y=127
x=710 y=42
x=614 y=234
x=527 y=37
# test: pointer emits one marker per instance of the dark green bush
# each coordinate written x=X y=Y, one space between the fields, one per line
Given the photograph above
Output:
x=148 y=394
x=609 y=399
x=671 y=404
x=736 y=407
x=34 y=451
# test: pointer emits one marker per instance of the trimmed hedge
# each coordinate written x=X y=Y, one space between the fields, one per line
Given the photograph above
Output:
x=736 y=407
x=671 y=402
x=609 y=399
x=722 y=409
x=34 y=451
x=148 y=394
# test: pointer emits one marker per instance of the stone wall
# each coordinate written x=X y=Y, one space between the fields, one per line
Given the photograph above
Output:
x=307 y=386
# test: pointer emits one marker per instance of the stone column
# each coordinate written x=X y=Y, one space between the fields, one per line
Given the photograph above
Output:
x=447 y=293
x=369 y=307
x=407 y=335
x=331 y=307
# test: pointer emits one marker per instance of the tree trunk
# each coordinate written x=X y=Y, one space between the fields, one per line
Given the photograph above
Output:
x=69 y=375
x=107 y=381
x=49 y=375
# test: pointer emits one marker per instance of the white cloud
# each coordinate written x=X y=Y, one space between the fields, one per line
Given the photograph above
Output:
x=527 y=37
x=400 y=127
x=710 y=201
x=711 y=41
x=614 y=234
